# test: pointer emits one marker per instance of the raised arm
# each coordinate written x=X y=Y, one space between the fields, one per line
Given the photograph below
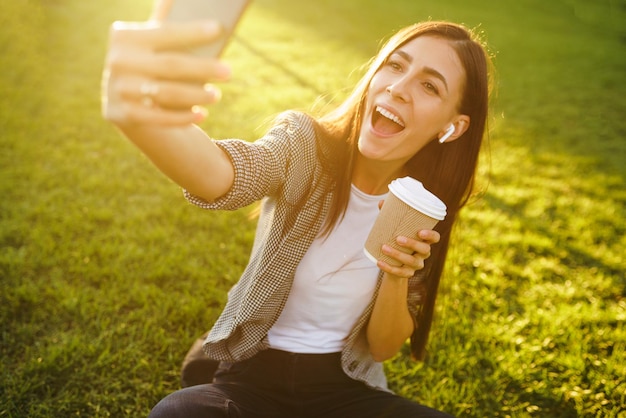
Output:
x=153 y=92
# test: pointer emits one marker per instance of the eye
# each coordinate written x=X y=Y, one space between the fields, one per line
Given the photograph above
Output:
x=394 y=65
x=431 y=87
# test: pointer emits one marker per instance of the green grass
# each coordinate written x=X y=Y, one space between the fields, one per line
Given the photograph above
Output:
x=107 y=275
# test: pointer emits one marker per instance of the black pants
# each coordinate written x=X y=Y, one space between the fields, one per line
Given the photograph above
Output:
x=280 y=384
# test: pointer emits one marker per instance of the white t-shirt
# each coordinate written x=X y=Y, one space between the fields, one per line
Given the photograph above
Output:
x=333 y=284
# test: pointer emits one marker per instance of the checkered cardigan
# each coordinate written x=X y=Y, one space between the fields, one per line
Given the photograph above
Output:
x=282 y=169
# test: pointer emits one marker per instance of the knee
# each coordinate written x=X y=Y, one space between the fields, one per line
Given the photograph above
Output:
x=167 y=407
x=178 y=404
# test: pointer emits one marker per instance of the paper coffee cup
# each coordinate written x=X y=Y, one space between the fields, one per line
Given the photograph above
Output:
x=408 y=209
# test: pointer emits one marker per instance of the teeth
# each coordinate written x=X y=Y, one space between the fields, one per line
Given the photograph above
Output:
x=389 y=115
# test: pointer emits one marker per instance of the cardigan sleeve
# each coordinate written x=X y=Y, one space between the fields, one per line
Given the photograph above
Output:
x=262 y=167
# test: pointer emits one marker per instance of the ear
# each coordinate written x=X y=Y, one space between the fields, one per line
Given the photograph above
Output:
x=460 y=123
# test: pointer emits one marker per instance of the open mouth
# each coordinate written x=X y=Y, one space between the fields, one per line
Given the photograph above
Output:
x=386 y=122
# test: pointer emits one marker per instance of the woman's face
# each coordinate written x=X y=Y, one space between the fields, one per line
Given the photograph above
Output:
x=412 y=99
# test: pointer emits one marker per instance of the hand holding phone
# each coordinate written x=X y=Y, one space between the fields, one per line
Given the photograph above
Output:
x=226 y=12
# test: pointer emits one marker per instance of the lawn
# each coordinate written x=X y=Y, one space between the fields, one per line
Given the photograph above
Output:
x=107 y=275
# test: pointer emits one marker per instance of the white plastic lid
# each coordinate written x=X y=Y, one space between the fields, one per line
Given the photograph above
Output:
x=413 y=193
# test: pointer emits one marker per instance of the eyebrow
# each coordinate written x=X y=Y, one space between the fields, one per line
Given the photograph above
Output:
x=427 y=70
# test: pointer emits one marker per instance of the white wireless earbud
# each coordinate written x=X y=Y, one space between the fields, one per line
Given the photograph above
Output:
x=447 y=135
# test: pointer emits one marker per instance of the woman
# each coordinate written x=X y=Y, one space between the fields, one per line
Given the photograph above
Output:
x=306 y=328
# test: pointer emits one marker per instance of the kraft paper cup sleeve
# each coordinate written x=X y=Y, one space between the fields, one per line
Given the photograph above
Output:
x=408 y=209
x=396 y=218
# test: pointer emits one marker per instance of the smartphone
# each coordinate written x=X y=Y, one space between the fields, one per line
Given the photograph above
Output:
x=227 y=12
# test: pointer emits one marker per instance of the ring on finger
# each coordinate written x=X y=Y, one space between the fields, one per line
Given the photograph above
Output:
x=148 y=90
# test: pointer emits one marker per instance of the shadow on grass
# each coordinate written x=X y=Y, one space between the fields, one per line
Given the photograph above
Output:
x=569 y=250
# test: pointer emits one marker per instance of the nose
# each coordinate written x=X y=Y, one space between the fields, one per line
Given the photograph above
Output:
x=398 y=90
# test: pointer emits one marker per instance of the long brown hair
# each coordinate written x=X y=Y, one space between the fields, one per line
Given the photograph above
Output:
x=446 y=170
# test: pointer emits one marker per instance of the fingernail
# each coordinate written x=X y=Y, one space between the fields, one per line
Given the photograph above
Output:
x=200 y=113
x=211 y=27
x=223 y=71
x=216 y=94
x=402 y=240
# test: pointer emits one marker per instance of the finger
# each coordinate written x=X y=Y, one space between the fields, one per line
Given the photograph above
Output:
x=408 y=259
x=430 y=236
x=414 y=246
x=158 y=36
x=184 y=95
x=131 y=113
x=167 y=66
x=397 y=271
x=135 y=49
x=165 y=94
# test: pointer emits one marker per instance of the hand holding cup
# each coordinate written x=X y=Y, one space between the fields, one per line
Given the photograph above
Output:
x=409 y=209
